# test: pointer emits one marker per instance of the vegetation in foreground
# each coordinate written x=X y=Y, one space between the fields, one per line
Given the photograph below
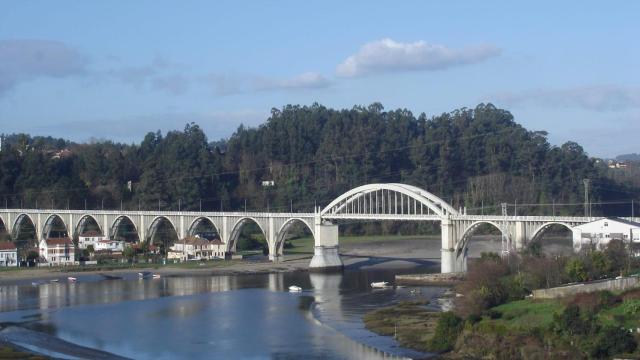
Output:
x=494 y=319
x=409 y=322
x=10 y=353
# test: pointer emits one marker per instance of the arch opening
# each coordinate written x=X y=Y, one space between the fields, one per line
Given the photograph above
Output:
x=162 y=235
x=25 y=237
x=4 y=234
x=123 y=229
x=552 y=239
x=204 y=228
x=87 y=226
x=295 y=237
x=481 y=237
x=248 y=238
x=54 y=227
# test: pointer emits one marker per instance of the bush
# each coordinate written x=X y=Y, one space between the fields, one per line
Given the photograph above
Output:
x=576 y=269
x=447 y=330
x=611 y=341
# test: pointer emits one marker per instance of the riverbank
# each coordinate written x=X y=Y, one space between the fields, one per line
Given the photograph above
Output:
x=356 y=252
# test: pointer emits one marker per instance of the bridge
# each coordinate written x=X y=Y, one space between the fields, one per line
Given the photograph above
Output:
x=372 y=202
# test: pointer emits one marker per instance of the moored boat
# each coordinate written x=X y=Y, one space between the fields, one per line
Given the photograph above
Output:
x=295 y=288
x=380 y=284
x=72 y=279
x=156 y=276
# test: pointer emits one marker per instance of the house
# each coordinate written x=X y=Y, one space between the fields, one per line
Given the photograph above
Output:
x=113 y=246
x=598 y=233
x=57 y=251
x=8 y=254
x=196 y=248
x=90 y=238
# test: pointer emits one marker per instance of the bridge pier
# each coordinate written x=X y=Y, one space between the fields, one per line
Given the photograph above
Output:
x=325 y=252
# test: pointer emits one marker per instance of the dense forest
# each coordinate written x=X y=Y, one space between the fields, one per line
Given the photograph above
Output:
x=307 y=155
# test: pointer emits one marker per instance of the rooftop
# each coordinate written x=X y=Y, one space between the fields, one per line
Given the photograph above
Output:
x=7 y=245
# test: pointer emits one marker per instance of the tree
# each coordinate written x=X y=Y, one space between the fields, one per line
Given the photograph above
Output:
x=577 y=270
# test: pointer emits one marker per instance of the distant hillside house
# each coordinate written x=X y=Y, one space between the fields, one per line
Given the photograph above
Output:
x=8 y=254
x=196 y=248
x=90 y=238
x=598 y=233
x=57 y=251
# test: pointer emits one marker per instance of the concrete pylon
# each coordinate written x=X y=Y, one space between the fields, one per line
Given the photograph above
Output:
x=325 y=253
x=448 y=251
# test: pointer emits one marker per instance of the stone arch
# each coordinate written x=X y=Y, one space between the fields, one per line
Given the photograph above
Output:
x=3 y=226
x=197 y=221
x=49 y=227
x=115 y=226
x=153 y=228
x=17 y=226
x=537 y=234
x=283 y=231
x=544 y=227
x=80 y=224
x=235 y=231
x=466 y=235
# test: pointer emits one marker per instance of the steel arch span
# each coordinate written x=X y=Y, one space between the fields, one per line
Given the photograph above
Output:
x=388 y=202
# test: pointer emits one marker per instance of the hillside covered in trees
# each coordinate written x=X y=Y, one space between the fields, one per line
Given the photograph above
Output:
x=476 y=158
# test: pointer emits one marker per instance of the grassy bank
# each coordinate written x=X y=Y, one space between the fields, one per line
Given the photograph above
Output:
x=408 y=322
x=8 y=352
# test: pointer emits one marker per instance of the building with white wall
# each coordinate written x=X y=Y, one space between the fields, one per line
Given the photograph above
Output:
x=57 y=251
x=196 y=248
x=90 y=238
x=598 y=233
x=8 y=254
x=113 y=246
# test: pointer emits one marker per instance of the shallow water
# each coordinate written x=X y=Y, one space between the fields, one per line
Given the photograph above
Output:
x=222 y=317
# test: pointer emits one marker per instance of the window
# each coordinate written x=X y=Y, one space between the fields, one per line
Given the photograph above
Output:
x=606 y=224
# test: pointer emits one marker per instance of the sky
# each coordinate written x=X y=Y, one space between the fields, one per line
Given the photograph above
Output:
x=116 y=70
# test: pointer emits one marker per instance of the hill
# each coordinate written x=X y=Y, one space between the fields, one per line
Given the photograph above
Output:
x=476 y=158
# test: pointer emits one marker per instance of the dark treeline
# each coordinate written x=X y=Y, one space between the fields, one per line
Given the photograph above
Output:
x=476 y=158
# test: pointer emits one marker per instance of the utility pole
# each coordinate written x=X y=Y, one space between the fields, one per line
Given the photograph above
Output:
x=505 y=237
x=179 y=204
x=632 y=210
x=290 y=205
x=245 y=205
x=158 y=204
x=586 y=197
x=553 y=207
x=200 y=205
x=102 y=206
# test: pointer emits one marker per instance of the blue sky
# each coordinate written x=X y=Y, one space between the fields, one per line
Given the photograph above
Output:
x=118 y=69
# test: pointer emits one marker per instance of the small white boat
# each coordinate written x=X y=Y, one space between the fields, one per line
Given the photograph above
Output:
x=295 y=288
x=380 y=284
x=72 y=279
x=156 y=276
x=33 y=283
x=144 y=274
x=54 y=280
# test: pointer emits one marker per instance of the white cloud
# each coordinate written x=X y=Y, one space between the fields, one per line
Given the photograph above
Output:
x=387 y=55
x=27 y=59
x=595 y=97
x=230 y=84
x=308 y=80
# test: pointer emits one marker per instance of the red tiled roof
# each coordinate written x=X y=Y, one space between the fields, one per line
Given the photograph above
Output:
x=7 y=245
x=59 y=241
x=216 y=242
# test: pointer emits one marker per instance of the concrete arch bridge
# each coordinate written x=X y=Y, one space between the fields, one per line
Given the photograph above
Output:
x=368 y=202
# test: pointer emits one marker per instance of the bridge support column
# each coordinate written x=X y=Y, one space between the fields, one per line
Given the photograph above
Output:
x=520 y=238
x=271 y=241
x=325 y=252
x=448 y=251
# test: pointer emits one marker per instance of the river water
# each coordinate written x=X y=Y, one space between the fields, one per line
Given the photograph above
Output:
x=214 y=317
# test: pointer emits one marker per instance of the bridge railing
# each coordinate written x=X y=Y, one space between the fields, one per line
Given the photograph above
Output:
x=159 y=213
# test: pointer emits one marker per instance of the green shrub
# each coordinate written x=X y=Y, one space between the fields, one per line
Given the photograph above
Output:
x=610 y=341
x=447 y=330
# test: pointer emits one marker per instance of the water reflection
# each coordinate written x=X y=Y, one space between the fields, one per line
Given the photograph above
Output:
x=241 y=316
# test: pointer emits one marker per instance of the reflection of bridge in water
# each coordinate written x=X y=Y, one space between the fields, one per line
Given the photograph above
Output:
x=373 y=202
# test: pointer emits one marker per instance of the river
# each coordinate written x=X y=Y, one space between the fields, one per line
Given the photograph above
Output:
x=214 y=317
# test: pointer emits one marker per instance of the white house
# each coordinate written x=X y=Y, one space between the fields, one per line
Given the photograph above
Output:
x=57 y=251
x=8 y=254
x=113 y=246
x=598 y=233
x=90 y=238
x=197 y=248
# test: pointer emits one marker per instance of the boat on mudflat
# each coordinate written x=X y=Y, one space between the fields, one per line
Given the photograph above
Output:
x=295 y=288
x=380 y=284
